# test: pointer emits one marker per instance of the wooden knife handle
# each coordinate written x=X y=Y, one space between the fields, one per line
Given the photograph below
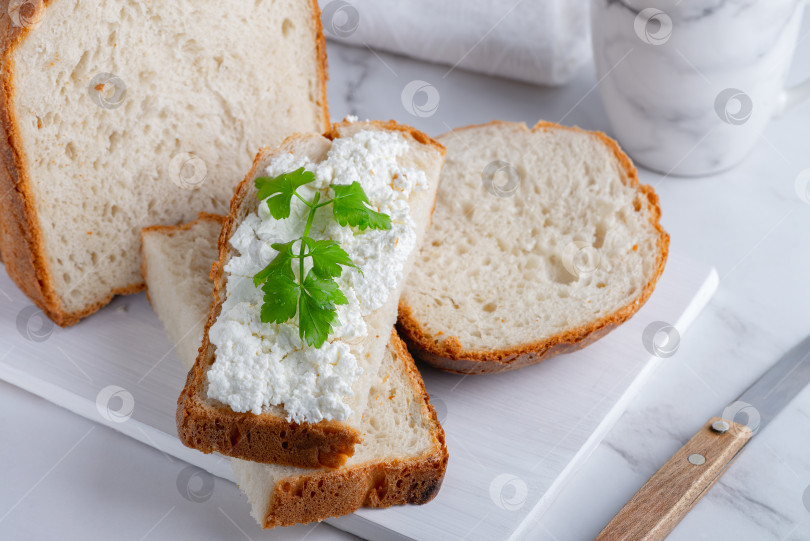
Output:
x=665 y=499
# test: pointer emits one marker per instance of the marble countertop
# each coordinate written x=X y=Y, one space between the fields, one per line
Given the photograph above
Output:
x=62 y=475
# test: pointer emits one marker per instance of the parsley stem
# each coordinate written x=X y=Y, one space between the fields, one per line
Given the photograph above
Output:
x=307 y=203
x=313 y=207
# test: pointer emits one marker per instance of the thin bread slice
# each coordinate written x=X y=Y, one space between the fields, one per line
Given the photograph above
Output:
x=177 y=278
x=269 y=436
x=542 y=242
x=118 y=115
x=403 y=456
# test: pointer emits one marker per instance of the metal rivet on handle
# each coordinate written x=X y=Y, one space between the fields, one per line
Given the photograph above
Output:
x=697 y=460
x=721 y=426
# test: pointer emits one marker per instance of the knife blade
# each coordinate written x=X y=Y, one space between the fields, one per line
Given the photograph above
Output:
x=658 y=506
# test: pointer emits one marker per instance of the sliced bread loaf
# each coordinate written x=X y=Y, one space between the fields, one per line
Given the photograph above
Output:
x=542 y=242
x=273 y=399
x=403 y=456
x=118 y=115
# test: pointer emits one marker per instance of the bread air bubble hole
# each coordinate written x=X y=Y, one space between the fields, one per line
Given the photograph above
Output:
x=489 y=307
x=70 y=151
x=286 y=27
x=601 y=234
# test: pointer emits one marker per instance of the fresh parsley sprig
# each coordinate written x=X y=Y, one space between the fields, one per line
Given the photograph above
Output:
x=314 y=295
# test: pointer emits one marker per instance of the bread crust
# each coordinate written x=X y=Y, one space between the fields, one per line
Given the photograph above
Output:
x=451 y=355
x=323 y=63
x=414 y=480
x=20 y=236
x=261 y=438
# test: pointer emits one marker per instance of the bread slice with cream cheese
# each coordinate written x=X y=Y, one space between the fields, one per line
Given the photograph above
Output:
x=542 y=242
x=263 y=395
x=402 y=458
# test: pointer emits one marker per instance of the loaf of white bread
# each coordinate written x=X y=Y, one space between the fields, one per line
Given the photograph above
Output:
x=402 y=458
x=117 y=115
x=543 y=241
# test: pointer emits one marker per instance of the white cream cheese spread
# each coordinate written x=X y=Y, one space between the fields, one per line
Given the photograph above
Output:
x=266 y=364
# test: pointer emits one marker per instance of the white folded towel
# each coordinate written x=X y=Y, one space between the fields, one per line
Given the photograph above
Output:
x=538 y=41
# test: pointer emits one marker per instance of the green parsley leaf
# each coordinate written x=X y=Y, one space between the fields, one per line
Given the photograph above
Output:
x=279 y=266
x=280 y=190
x=280 y=298
x=315 y=320
x=325 y=291
x=350 y=206
x=315 y=296
x=327 y=258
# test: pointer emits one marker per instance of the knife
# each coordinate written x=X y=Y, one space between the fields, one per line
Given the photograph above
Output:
x=654 y=511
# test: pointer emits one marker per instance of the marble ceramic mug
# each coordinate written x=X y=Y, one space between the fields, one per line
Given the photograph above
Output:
x=689 y=85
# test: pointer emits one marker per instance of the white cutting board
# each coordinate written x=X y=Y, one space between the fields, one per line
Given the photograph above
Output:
x=513 y=438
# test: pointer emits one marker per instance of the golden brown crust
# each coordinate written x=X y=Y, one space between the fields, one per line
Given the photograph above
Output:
x=20 y=234
x=323 y=64
x=260 y=438
x=450 y=354
x=331 y=493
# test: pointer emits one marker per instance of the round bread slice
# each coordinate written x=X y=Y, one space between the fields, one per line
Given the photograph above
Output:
x=543 y=241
